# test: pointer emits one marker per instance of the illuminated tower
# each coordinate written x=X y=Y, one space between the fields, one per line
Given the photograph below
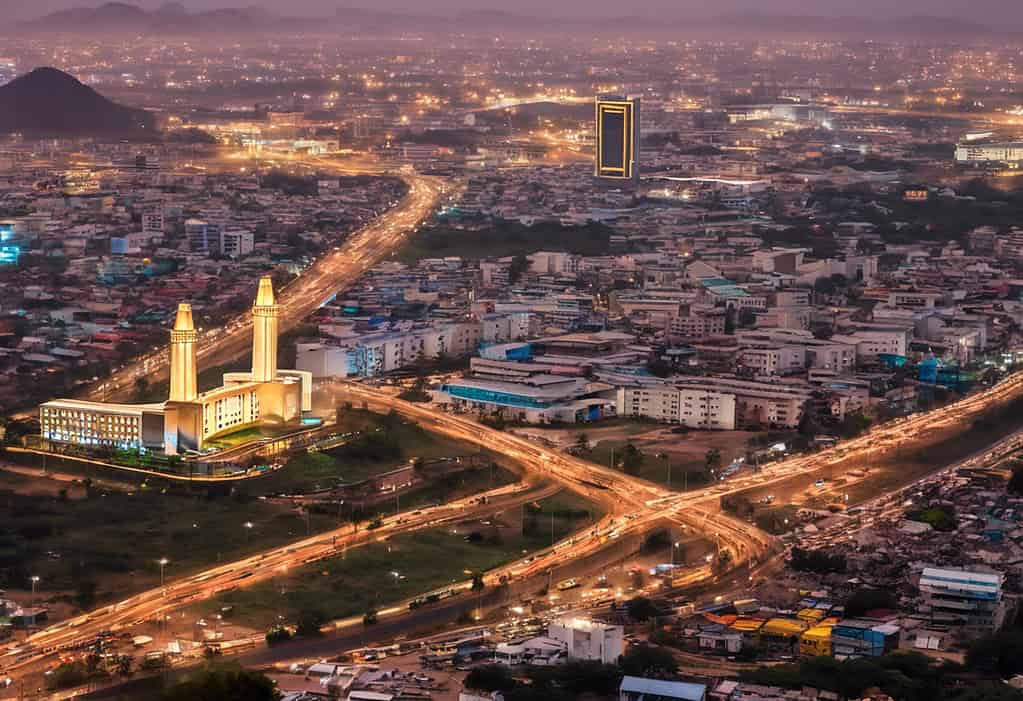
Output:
x=182 y=357
x=264 y=333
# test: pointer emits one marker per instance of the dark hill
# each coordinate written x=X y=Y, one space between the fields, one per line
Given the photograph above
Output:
x=52 y=103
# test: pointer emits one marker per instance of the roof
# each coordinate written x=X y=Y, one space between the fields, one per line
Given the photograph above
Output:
x=783 y=626
x=657 y=687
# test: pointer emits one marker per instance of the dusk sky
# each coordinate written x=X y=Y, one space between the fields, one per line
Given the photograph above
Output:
x=992 y=12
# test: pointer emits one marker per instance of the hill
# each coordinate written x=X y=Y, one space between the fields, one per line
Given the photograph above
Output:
x=50 y=102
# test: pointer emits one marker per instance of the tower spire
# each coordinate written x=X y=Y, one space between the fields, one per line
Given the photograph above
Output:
x=183 y=386
x=264 y=333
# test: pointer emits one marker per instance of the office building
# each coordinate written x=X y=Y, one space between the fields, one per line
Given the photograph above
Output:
x=617 y=138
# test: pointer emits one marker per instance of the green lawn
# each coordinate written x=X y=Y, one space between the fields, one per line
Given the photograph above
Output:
x=651 y=468
x=246 y=435
x=379 y=444
x=116 y=537
x=363 y=578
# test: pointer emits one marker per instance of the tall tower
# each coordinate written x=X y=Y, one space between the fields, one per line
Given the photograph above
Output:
x=182 y=357
x=264 y=333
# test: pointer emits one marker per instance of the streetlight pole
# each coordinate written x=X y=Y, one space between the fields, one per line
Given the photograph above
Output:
x=35 y=580
x=248 y=529
x=163 y=563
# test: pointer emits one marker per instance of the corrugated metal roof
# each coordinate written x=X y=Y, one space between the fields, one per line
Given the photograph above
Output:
x=671 y=690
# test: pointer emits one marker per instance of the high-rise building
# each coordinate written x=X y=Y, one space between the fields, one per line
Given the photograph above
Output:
x=617 y=138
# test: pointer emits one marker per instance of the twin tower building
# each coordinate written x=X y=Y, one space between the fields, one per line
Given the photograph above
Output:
x=266 y=395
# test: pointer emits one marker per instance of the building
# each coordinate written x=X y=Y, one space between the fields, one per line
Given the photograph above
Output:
x=589 y=640
x=189 y=418
x=977 y=152
x=689 y=406
x=376 y=353
x=643 y=689
x=963 y=598
x=235 y=243
x=617 y=138
x=863 y=638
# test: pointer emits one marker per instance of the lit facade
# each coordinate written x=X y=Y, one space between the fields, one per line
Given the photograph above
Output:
x=189 y=418
x=617 y=138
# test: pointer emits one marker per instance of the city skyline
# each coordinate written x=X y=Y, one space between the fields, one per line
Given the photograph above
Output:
x=990 y=13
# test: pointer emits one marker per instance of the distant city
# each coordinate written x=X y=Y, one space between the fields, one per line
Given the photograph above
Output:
x=388 y=356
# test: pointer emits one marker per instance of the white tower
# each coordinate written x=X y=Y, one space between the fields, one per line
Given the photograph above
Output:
x=182 y=357
x=264 y=333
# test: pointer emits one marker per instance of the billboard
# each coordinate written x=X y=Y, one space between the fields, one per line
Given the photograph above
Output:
x=617 y=142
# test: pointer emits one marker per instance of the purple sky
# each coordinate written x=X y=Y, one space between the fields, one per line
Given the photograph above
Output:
x=993 y=12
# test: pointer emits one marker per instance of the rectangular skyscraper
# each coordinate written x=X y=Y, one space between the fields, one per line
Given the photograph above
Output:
x=617 y=138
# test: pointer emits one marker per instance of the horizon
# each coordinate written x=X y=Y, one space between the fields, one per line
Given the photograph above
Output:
x=989 y=13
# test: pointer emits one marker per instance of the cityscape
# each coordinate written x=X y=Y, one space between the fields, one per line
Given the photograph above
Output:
x=478 y=352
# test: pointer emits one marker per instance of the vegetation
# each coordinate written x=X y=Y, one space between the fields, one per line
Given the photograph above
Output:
x=223 y=681
x=818 y=561
x=382 y=573
x=506 y=239
x=940 y=518
x=574 y=679
x=641 y=608
x=904 y=676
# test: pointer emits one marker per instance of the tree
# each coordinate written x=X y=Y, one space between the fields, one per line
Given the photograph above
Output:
x=477 y=581
x=370 y=617
x=490 y=677
x=519 y=265
x=582 y=443
x=712 y=460
x=278 y=634
x=641 y=608
x=632 y=459
x=223 y=681
x=309 y=623
x=648 y=661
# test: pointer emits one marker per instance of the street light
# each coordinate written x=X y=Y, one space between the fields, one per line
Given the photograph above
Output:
x=248 y=529
x=163 y=563
x=34 y=579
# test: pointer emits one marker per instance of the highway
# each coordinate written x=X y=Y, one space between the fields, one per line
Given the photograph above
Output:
x=158 y=602
x=330 y=274
x=633 y=506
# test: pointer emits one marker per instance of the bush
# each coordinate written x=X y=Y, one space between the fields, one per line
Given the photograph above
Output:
x=641 y=608
x=278 y=634
x=215 y=683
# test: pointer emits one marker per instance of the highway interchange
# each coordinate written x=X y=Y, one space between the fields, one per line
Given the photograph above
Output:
x=632 y=505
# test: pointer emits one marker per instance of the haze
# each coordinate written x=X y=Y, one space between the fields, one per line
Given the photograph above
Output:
x=987 y=12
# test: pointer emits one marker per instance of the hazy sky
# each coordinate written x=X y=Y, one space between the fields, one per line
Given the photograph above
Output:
x=992 y=12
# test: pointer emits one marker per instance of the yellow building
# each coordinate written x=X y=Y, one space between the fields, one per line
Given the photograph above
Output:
x=784 y=632
x=189 y=418
x=816 y=642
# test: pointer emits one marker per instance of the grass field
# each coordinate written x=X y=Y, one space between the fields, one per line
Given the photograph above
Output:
x=380 y=444
x=364 y=578
x=115 y=537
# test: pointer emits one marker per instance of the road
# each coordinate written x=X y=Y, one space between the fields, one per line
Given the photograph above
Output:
x=633 y=506
x=158 y=602
x=330 y=274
